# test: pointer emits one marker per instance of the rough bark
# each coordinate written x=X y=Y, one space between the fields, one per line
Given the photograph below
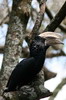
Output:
x=13 y=47
x=39 y=19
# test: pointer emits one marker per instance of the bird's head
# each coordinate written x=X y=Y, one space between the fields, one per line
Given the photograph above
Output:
x=43 y=41
x=51 y=38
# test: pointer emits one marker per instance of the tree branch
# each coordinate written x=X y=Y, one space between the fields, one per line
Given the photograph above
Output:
x=5 y=20
x=48 y=74
x=39 y=19
x=57 y=19
x=51 y=55
x=51 y=17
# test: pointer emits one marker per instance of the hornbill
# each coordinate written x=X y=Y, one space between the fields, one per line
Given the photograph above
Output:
x=28 y=68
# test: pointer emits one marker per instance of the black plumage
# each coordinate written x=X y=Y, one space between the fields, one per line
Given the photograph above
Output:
x=27 y=69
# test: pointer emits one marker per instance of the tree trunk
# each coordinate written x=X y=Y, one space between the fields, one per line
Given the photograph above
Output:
x=13 y=46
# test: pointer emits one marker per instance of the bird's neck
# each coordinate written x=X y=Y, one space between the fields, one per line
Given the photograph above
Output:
x=41 y=56
x=39 y=61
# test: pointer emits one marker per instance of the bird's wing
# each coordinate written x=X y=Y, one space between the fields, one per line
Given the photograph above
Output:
x=23 y=68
